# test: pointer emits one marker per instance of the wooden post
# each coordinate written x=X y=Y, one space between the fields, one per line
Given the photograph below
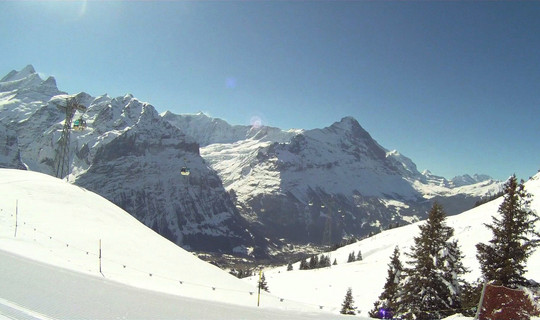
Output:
x=100 y=256
x=16 y=217
x=478 y=309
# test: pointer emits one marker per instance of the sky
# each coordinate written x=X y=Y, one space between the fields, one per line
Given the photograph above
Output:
x=453 y=85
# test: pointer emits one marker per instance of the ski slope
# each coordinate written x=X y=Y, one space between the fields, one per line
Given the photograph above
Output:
x=50 y=236
x=367 y=277
x=48 y=292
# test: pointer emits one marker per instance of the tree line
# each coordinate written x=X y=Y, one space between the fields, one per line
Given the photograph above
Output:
x=432 y=287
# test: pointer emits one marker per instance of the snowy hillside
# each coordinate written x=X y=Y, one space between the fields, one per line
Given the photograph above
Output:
x=46 y=220
x=53 y=222
x=367 y=277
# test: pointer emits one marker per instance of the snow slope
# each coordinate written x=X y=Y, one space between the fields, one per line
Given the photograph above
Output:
x=49 y=254
x=61 y=225
x=367 y=277
x=46 y=292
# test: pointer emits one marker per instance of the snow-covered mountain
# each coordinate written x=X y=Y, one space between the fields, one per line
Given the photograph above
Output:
x=206 y=130
x=22 y=92
x=320 y=185
x=249 y=186
x=128 y=154
x=468 y=180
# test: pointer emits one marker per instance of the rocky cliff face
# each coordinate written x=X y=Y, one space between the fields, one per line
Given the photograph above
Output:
x=10 y=156
x=139 y=170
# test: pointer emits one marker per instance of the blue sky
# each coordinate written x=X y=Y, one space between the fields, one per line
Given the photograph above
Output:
x=453 y=85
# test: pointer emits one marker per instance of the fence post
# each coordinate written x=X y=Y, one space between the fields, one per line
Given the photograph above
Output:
x=100 y=256
x=259 y=294
x=16 y=216
x=478 y=309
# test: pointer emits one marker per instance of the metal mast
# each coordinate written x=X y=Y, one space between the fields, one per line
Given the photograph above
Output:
x=61 y=160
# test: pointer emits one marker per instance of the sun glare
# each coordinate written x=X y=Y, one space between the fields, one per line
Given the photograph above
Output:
x=256 y=122
x=82 y=10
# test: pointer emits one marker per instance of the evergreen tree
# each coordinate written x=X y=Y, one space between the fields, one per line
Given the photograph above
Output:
x=304 y=265
x=470 y=295
x=347 y=307
x=514 y=238
x=351 y=258
x=335 y=262
x=313 y=262
x=289 y=267
x=320 y=261
x=324 y=261
x=359 y=256
x=262 y=283
x=386 y=305
x=431 y=287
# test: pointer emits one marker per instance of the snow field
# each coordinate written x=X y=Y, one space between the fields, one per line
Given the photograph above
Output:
x=46 y=292
x=62 y=225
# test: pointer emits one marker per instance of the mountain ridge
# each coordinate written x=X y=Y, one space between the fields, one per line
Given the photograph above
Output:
x=252 y=189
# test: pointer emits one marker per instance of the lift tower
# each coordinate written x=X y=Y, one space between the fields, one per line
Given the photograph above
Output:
x=61 y=159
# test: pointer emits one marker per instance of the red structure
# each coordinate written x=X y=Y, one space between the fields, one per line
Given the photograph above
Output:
x=501 y=303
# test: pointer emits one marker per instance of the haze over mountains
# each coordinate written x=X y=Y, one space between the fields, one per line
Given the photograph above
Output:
x=252 y=190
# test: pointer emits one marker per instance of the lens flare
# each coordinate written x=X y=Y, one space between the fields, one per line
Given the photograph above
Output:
x=230 y=82
x=256 y=122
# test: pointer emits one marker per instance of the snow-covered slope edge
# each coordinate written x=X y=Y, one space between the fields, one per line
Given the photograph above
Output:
x=52 y=221
x=33 y=290
x=63 y=225
x=367 y=277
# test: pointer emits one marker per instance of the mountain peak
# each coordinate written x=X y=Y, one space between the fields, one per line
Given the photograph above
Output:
x=347 y=124
x=29 y=69
x=18 y=75
x=466 y=179
x=351 y=128
x=29 y=85
x=348 y=121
